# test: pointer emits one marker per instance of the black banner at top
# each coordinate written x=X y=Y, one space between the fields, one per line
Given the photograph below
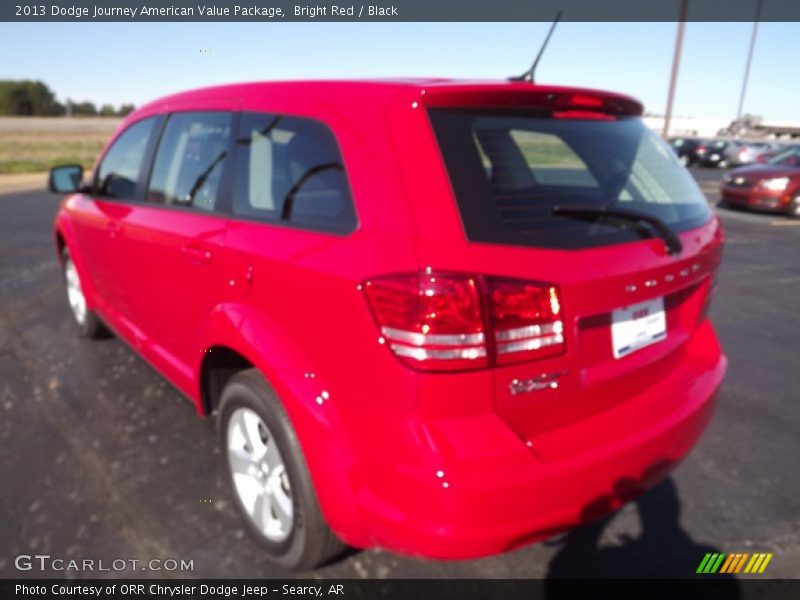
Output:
x=396 y=10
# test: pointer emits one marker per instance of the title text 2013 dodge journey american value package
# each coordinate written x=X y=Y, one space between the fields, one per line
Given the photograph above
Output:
x=440 y=317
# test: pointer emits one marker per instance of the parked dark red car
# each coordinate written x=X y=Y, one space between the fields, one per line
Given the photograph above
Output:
x=773 y=186
x=444 y=318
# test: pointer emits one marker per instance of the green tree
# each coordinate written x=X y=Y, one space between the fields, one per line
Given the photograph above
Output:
x=84 y=109
x=27 y=98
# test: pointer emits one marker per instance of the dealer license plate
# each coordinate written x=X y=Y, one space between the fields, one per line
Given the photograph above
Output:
x=636 y=326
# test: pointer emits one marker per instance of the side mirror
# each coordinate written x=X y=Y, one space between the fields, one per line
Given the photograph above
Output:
x=66 y=179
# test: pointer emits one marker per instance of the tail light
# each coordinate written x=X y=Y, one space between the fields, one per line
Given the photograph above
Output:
x=448 y=322
x=526 y=320
x=430 y=322
x=598 y=104
x=583 y=114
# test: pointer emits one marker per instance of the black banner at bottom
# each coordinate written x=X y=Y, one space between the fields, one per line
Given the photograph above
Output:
x=413 y=589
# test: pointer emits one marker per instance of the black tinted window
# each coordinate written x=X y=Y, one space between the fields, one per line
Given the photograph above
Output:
x=290 y=169
x=513 y=171
x=121 y=166
x=190 y=160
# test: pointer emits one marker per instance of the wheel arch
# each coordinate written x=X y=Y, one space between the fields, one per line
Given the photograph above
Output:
x=64 y=239
x=237 y=337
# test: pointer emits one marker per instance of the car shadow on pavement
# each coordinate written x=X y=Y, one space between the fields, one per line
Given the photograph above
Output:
x=663 y=550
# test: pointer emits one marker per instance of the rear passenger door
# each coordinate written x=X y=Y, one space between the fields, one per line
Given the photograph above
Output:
x=175 y=239
x=292 y=208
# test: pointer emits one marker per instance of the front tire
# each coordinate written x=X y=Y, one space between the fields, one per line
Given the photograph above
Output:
x=794 y=207
x=89 y=324
x=269 y=476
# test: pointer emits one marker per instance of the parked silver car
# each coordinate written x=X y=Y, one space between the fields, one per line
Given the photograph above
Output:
x=743 y=152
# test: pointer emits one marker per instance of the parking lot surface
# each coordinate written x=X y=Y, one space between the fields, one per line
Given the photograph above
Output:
x=100 y=458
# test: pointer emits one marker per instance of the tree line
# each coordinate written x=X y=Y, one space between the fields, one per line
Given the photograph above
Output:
x=34 y=98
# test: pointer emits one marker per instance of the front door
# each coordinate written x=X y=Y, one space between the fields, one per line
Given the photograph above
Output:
x=174 y=240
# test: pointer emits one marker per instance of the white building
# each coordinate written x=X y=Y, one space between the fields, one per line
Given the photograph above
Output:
x=688 y=126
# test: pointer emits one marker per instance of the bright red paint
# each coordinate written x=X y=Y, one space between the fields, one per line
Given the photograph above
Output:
x=442 y=464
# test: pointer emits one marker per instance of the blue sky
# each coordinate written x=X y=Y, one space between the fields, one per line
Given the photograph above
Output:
x=135 y=62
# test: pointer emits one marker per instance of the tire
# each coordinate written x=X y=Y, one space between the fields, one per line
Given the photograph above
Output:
x=684 y=160
x=794 y=207
x=275 y=496
x=89 y=324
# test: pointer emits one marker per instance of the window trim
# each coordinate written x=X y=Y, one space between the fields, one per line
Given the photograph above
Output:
x=224 y=204
x=139 y=189
x=280 y=222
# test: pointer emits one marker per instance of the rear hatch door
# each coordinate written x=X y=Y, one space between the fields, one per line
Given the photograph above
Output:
x=551 y=195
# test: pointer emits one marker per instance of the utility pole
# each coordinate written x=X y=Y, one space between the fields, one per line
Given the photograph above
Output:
x=676 y=61
x=749 y=60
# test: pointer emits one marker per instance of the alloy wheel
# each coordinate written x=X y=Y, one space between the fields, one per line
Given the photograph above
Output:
x=259 y=474
x=77 y=301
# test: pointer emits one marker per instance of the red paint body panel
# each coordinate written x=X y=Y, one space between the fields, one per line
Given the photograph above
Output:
x=449 y=465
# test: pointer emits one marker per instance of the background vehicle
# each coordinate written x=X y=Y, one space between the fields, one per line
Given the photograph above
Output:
x=700 y=152
x=686 y=149
x=438 y=317
x=742 y=152
x=712 y=153
x=777 y=148
x=773 y=186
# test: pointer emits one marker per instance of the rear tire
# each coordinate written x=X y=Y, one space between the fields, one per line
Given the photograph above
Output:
x=269 y=476
x=89 y=324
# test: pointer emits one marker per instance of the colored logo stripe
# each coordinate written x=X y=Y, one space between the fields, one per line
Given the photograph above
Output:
x=711 y=563
x=758 y=563
x=734 y=563
x=719 y=562
x=729 y=562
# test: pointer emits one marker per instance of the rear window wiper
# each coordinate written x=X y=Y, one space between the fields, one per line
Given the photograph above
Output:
x=671 y=239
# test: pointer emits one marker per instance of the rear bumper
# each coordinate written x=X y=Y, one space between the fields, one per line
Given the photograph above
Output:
x=488 y=502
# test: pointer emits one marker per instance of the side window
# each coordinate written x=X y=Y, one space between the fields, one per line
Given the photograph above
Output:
x=121 y=166
x=290 y=169
x=190 y=160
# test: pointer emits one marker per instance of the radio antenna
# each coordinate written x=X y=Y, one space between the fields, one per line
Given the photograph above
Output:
x=527 y=76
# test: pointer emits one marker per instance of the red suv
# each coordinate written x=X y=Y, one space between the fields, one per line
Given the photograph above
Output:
x=444 y=318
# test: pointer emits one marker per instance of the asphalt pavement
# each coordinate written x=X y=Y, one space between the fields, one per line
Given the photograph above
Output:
x=100 y=458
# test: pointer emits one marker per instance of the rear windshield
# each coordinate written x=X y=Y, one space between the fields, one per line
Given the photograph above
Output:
x=510 y=170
